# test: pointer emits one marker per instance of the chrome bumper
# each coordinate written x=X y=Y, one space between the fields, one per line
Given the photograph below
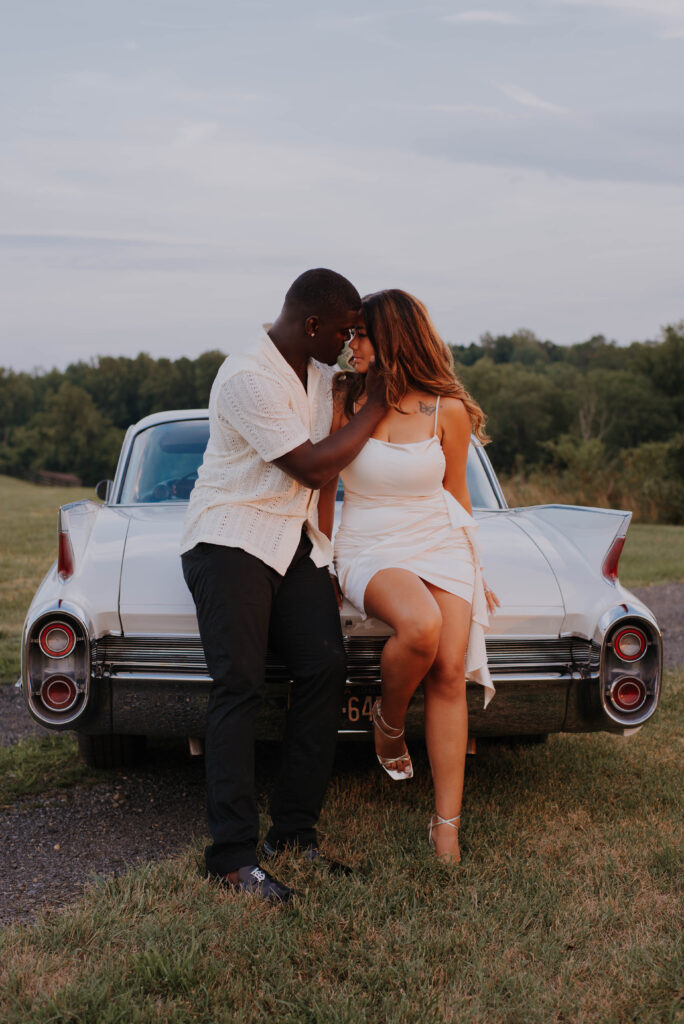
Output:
x=143 y=685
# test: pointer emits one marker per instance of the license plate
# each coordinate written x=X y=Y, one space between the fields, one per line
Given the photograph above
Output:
x=356 y=711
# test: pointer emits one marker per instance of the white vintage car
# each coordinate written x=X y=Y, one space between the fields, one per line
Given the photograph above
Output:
x=111 y=647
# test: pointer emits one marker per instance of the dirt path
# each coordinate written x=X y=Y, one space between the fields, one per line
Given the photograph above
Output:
x=52 y=844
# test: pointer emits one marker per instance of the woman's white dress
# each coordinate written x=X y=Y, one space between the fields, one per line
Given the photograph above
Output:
x=397 y=514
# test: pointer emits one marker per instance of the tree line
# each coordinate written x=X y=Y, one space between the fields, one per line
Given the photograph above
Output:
x=590 y=423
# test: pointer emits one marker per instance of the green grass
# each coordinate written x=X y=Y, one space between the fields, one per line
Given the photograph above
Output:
x=652 y=554
x=28 y=527
x=34 y=765
x=566 y=908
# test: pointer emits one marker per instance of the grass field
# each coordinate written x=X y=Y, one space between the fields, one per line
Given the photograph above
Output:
x=652 y=554
x=567 y=906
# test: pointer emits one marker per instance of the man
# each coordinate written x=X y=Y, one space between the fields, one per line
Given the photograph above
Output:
x=255 y=562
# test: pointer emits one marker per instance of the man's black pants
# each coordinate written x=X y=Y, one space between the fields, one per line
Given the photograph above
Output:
x=243 y=606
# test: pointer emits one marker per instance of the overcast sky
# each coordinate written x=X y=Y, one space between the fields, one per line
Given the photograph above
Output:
x=167 y=168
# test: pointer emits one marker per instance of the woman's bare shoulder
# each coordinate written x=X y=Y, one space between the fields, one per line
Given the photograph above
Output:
x=453 y=407
x=454 y=416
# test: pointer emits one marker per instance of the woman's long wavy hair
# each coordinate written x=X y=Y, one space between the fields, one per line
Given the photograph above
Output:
x=409 y=354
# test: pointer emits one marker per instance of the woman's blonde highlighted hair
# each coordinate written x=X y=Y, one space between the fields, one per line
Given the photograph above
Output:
x=409 y=354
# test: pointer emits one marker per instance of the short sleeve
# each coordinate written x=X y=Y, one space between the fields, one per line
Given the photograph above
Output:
x=258 y=407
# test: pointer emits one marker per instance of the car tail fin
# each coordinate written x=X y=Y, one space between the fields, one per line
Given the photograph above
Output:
x=74 y=523
x=598 y=533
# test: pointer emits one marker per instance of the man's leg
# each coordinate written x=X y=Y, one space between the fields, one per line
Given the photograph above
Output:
x=306 y=634
x=233 y=593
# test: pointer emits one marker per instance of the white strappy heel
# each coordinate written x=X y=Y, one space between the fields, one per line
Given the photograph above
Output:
x=390 y=733
x=436 y=820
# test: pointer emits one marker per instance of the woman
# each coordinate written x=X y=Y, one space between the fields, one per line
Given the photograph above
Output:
x=404 y=551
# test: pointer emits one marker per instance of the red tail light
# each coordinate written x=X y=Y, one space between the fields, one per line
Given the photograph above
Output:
x=628 y=693
x=59 y=693
x=610 y=562
x=65 y=557
x=630 y=644
x=57 y=640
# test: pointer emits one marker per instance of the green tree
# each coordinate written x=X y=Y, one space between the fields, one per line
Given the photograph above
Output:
x=524 y=408
x=69 y=435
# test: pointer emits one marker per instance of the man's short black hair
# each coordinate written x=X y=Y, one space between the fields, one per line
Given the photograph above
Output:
x=319 y=291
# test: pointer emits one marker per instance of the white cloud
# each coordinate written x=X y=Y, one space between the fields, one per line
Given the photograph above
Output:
x=528 y=99
x=484 y=17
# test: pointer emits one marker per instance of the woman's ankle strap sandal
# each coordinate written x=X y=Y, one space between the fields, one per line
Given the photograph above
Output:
x=387 y=730
x=437 y=819
x=390 y=763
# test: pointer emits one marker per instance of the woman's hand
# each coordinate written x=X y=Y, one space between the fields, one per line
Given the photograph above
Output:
x=492 y=600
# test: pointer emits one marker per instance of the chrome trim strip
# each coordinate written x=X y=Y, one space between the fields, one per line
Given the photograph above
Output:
x=194 y=678
x=363 y=653
x=491 y=475
x=160 y=677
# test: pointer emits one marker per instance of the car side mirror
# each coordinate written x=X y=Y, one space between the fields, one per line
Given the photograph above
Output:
x=103 y=489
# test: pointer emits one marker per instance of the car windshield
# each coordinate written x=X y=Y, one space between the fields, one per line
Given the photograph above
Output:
x=164 y=460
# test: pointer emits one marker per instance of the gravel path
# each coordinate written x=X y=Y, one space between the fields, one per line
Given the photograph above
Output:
x=52 y=844
x=50 y=848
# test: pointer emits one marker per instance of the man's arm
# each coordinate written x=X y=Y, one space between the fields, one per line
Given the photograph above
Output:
x=314 y=465
x=257 y=406
x=326 y=506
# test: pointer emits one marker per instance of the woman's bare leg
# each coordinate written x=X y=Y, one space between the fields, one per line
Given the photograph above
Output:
x=402 y=600
x=446 y=718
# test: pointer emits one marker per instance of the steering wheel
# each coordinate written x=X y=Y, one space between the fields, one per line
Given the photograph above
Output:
x=182 y=487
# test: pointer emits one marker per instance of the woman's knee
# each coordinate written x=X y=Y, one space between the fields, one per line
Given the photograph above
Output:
x=421 y=633
x=447 y=678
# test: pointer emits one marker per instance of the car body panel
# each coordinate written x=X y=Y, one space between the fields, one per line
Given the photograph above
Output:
x=154 y=597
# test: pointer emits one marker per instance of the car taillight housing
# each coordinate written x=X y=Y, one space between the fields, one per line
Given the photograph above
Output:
x=59 y=693
x=630 y=643
x=630 y=669
x=57 y=640
x=628 y=694
x=56 y=666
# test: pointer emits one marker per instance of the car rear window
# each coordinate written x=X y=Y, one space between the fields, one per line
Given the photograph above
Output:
x=163 y=462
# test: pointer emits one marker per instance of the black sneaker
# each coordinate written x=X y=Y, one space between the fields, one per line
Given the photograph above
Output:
x=256 y=880
x=312 y=854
